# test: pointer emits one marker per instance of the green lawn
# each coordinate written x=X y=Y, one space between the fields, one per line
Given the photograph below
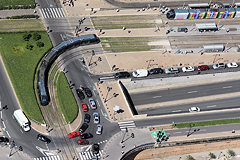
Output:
x=21 y=63
x=128 y=44
x=118 y=22
x=66 y=99
x=16 y=2
x=207 y=123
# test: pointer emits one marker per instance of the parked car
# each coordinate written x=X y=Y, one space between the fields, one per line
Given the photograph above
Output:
x=87 y=91
x=122 y=75
x=155 y=71
x=95 y=148
x=4 y=139
x=86 y=135
x=92 y=103
x=188 y=69
x=171 y=70
x=84 y=107
x=83 y=128
x=82 y=142
x=140 y=73
x=194 y=109
x=182 y=29
x=96 y=118
x=232 y=65
x=43 y=138
x=203 y=68
x=87 y=118
x=99 y=129
x=73 y=134
x=219 y=66
x=80 y=94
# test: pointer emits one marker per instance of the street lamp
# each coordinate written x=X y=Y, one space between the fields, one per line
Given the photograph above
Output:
x=108 y=90
x=149 y=61
x=124 y=134
x=190 y=125
x=12 y=145
x=93 y=53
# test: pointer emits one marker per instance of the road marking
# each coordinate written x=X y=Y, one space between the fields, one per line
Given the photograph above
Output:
x=4 y=124
x=8 y=134
x=1 y=114
x=211 y=106
x=88 y=148
x=21 y=130
x=227 y=87
x=192 y=92
x=203 y=130
x=177 y=111
x=177 y=132
x=157 y=97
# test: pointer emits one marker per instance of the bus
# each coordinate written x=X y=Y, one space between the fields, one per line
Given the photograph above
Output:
x=22 y=119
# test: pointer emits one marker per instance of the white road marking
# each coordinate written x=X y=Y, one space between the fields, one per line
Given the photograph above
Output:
x=88 y=148
x=211 y=106
x=157 y=97
x=177 y=111
x=1 y=114
x=202 y=129
x=192 y=92
x=8 y=134
x=227 y=87
x=4 y=126
x=21 y=130
x=177 y=132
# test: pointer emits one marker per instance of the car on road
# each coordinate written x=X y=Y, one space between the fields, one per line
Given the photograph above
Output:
x=188 y=69
x=92 y=103
x=95 y=148
x=96 y=118
x=4 y=139
x=43 y=138
x=86 y=135
x=140 y=73
x=219 y=66
x=84 y=107
x=87 y=91
x=171 y=70
x=74 y=134
x=87 y=118
x=232 y=65
x=83 y=128
x=194 y=109
x=203 y=68
x=80 y=94
x=94 y=158
x=155 y=71
x=122 y=75
x=99 y=129
x=82 y=142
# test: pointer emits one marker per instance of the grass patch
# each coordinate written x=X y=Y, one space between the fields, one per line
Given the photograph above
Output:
x=118 y=22
x=16 y=2
x=207 y=123
x=21 y=25
x=66 y=99
x=127 y=44
x=21 y=63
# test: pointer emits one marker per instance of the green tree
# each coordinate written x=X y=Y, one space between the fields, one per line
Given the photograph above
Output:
x=189 y=157
x=212 y=155
x=40 y=44
x=231 y=153
x=36 y=36
x=29 y=46
x=27 y=36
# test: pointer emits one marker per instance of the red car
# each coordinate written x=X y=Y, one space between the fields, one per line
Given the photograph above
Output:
x=84 y=107
x=73 y=134
x=82 y=141
x=203 y=68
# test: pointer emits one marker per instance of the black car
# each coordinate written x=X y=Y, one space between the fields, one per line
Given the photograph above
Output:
x=83 y=128
x=86 y=135
x=87 y=118
x=80 y=94
x=87 y=91
x=43 y=138
x=155 y=71
x=4 y=139
x=95 y=148
x=122 y=75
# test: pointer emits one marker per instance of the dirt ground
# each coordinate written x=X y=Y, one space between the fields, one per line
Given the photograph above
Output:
x=187 y=149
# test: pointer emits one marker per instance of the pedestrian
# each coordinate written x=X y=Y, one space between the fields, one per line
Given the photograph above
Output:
x=233 y=131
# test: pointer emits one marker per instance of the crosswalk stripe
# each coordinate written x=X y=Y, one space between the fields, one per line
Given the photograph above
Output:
x=47 y=14
x=129 y=124
x=125 y=122
x=81 y=156
x=57 y=13
x=48 y=158
x=60 y=12
x=64 y=15
x=52 y=12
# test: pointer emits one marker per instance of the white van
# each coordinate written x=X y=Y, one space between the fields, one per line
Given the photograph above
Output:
x=140 y=73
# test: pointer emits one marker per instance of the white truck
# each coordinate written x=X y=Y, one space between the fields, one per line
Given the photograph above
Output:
x=22 y=119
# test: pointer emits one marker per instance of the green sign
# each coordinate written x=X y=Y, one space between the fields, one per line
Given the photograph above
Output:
x=105 y=114
x=158 y=134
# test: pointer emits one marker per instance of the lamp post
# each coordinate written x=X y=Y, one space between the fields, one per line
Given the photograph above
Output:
x=12 y=145
x=190 y=125
x=108 y=90
x=149 y=61
x=124 y=134
x=93 y=53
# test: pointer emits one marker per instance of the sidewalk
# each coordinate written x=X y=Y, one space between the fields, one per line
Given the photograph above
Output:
x=15 y=154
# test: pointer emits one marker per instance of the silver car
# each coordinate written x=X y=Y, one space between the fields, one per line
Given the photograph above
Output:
x=171 y=70
x=96 y=119
x=99 y=129
x=92 y=103
x=219 y=66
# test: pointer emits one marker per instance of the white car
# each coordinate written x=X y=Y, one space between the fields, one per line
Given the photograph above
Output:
x=99 y=129
x=188 y=69
x=92 y=103
x=194 y=109
x=96 y=118
x=232 y=65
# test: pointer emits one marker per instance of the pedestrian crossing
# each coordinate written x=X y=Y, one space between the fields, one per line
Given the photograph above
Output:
x=52 y=12
x=126 y=124
x=87 y=155
x=48 y=158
